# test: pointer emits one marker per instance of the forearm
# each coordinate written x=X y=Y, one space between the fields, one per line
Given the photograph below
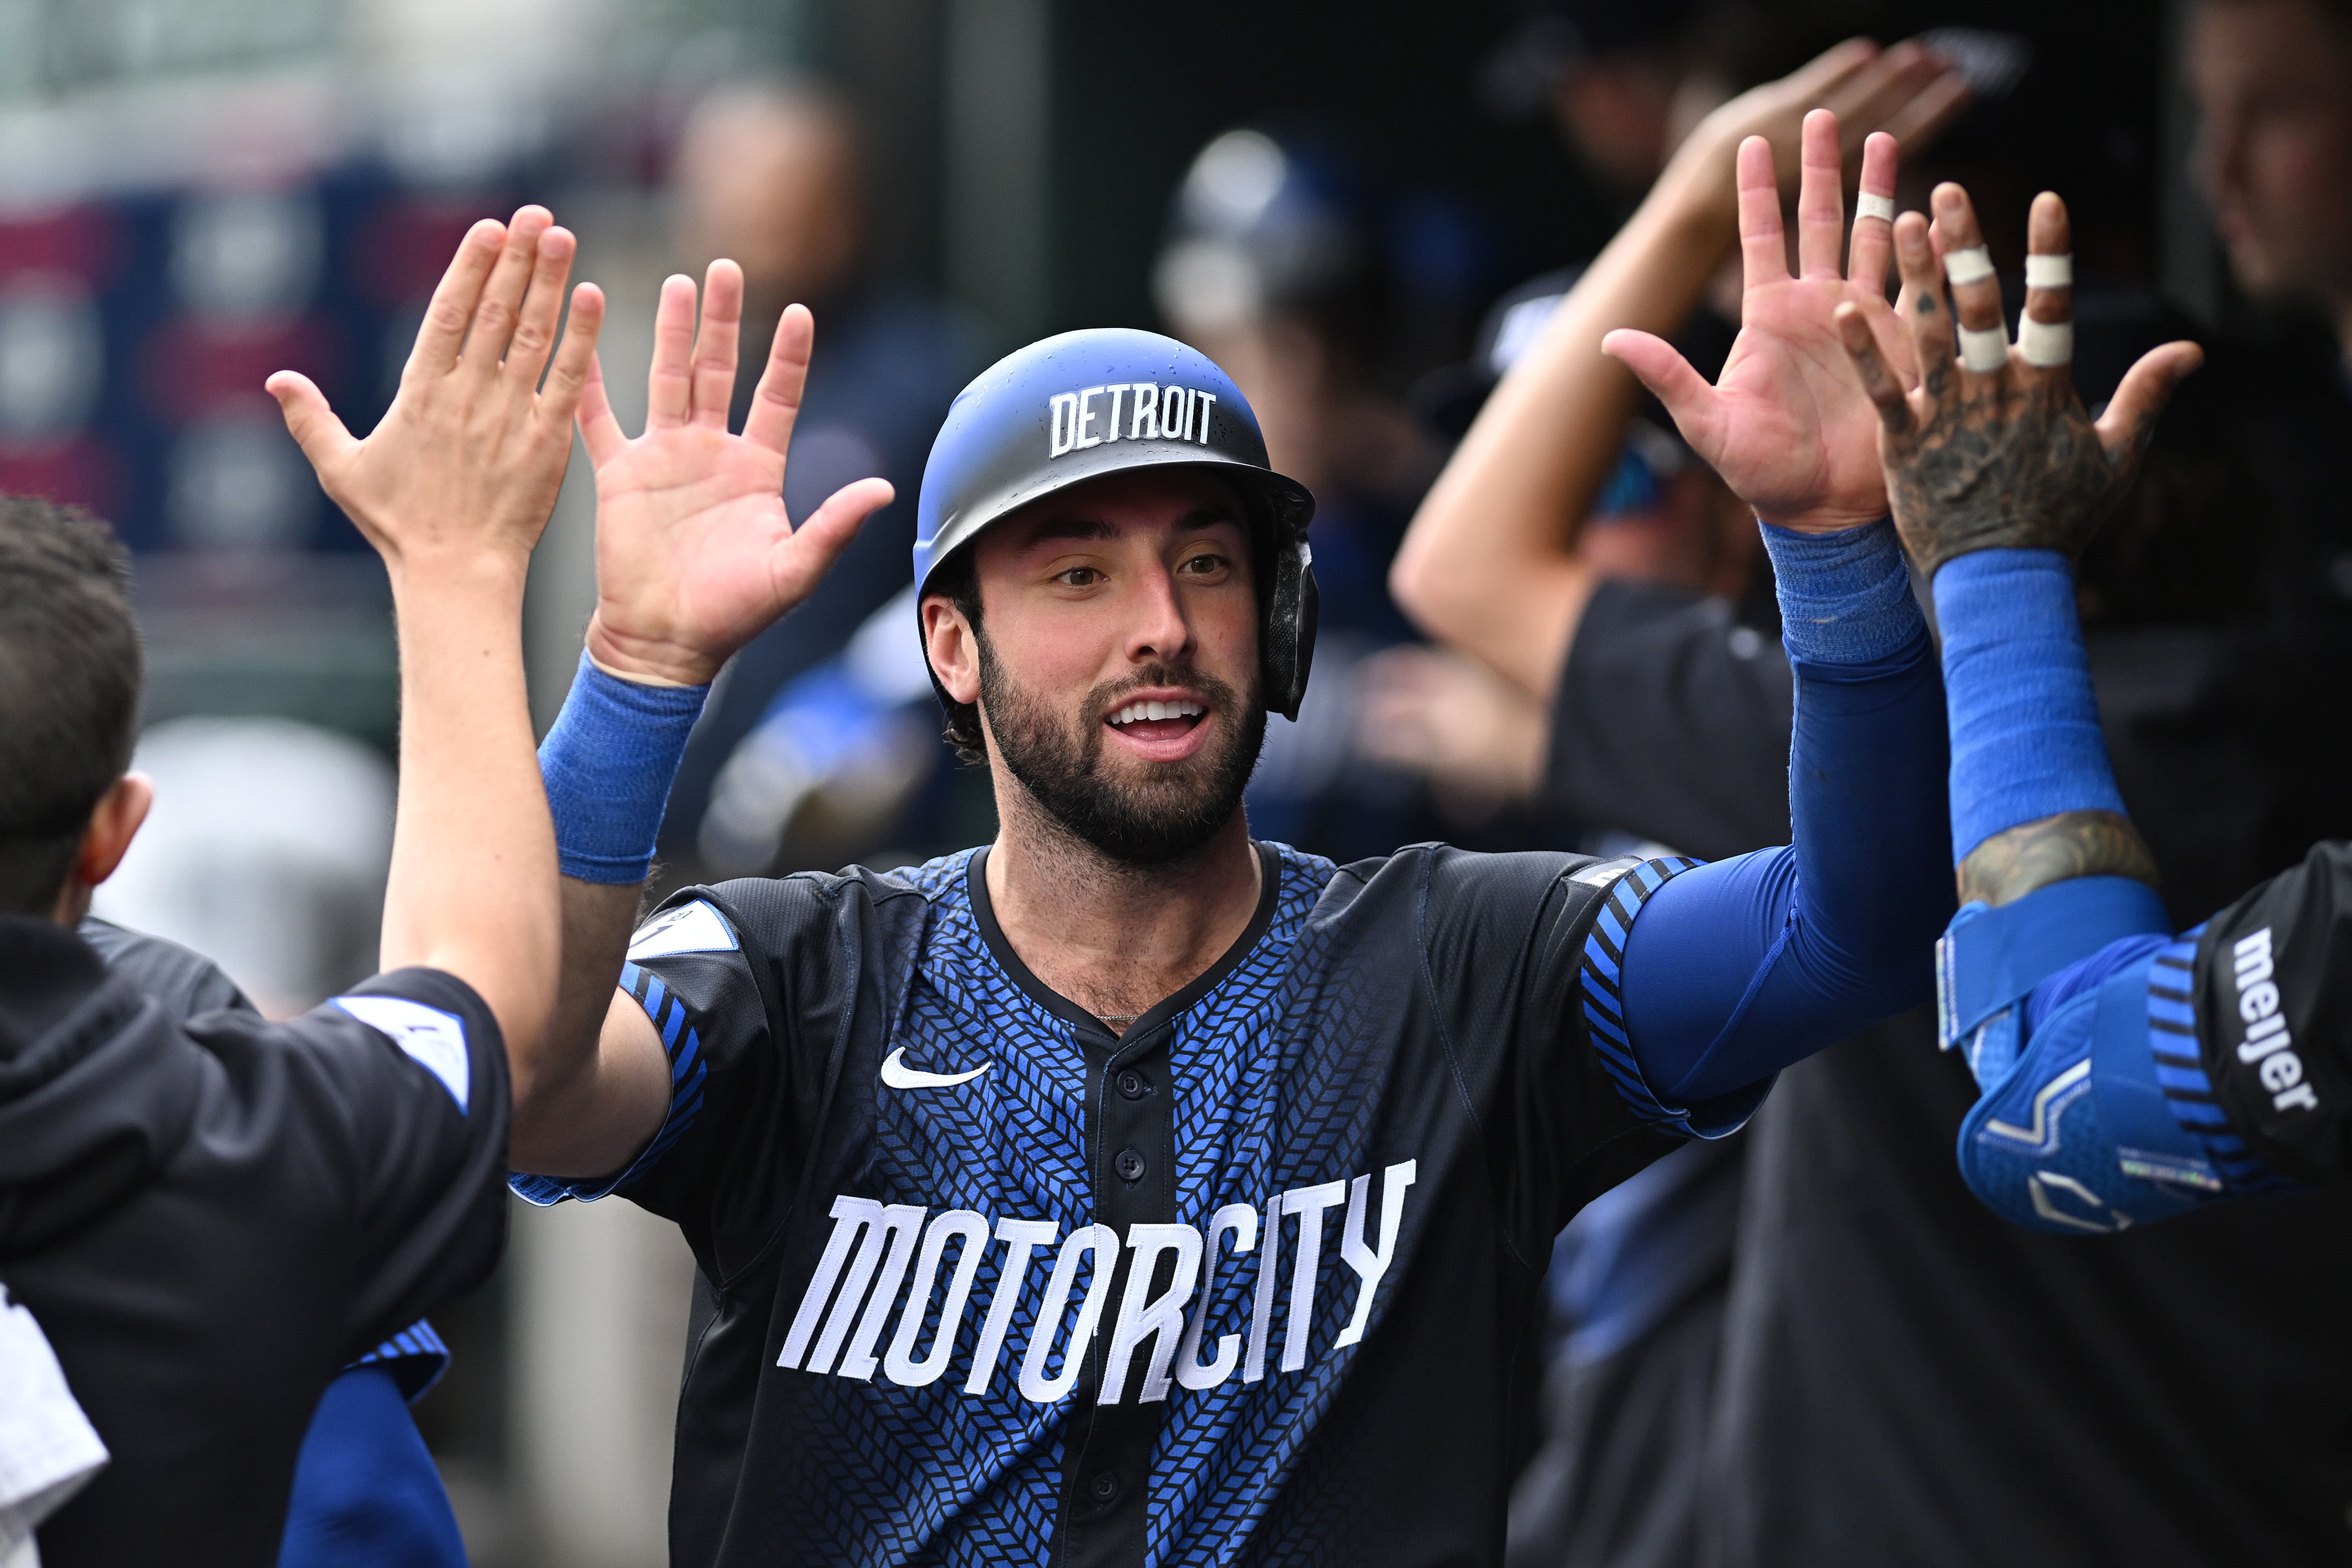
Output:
x=608 y=761
x=472 y=884
x=1736 y=969
x=1500 y=523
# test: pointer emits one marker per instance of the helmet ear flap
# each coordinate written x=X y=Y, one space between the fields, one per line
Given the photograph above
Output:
x=1286 y=642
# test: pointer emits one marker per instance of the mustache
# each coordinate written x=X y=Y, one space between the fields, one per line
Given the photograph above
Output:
x=1111 y=695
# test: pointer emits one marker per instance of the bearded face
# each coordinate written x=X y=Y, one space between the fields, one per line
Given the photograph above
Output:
x=1146 y=817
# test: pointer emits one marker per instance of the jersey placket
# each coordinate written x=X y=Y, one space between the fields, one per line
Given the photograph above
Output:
x=1131 y=1157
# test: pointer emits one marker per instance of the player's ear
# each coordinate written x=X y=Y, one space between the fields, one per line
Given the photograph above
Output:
x=113 y=824
x=952 y=646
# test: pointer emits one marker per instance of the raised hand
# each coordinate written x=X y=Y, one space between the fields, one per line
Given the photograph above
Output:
x=470 y=455
x=2004 y=456
x=694 y=555
x=1787 y=425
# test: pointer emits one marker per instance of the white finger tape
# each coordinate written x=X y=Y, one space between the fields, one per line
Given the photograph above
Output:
x=1970 y=266
x=2050 y=272
x=1877 y=206
x=2045 y=344
x=1984 y=349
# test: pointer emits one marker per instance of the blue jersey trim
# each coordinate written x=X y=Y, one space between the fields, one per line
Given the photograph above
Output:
x=2180 y=1071
x=1604 y=1003
x=416 y=1357
x=688 y=1070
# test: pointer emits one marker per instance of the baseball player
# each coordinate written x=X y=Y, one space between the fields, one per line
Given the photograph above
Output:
x=1126 y=1190
x=2128 y=1074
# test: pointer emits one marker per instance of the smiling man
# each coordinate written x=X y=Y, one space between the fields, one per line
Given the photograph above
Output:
x=1127 y=1190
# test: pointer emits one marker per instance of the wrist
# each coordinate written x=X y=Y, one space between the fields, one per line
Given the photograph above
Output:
x=442 y=573
x=648 y=661
x=1846 y=595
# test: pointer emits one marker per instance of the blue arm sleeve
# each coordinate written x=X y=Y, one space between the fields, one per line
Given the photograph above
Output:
x=1734 y=970
x=365 y=1490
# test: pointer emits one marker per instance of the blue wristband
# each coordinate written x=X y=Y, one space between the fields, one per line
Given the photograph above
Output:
x=608 y=763
x=1845 y=597
x=2025 y=726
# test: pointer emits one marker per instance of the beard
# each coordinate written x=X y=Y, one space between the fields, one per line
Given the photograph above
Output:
x=1145 y=821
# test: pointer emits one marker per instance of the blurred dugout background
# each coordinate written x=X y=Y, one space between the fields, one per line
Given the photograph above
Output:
x=193 y=193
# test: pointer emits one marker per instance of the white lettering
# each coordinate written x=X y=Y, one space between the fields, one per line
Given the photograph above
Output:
x=1175 y=425
x=1100 y=1243
x=2299 y=1097
x=1144 y=424
x=2257 y=1002
x=1022 y=1239
x=901 y=1363
x=2282 y=1071
x=1143 y=1315
x=900 y=1223
x=1062 y=423
x=1111 y=431
x=1269 y=1258
x=1208 y=406
x=2251 y=956
x=1242 y=1221
x=1086 y=416
x=1308 y=1204
x=1367 y=1264
x=2258 y=1046
x=851 y=1217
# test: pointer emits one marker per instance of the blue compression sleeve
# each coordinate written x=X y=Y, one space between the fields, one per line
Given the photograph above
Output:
x=2025 y=726
x=1732 y=971
x=365 y=1491
x=608 y=761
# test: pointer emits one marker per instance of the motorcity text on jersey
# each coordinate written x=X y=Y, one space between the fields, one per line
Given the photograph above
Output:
x=863 y=1278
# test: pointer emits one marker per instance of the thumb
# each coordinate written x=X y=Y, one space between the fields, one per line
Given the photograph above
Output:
x=2131 y=414
x=810 y=550
x=1662 y=368
x=312 y=423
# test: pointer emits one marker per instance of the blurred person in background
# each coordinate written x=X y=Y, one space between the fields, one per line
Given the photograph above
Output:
x=1614 y=512
x=770 y=174
x=204 y=1221
x=1882 y=1335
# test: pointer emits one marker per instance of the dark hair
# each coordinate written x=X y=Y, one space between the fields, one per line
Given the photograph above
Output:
x=70 y=674
x=957 y=580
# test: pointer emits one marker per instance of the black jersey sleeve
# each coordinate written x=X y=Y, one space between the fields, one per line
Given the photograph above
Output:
x=735 y=979
x=396 y=1093
x=1504 y=940
x=2272 y=994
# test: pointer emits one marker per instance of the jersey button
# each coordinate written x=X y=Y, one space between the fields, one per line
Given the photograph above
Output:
x=1131 y=1084
x=1130 y=1167
x=1105 y=1486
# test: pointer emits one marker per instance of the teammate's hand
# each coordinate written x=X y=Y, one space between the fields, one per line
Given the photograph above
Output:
x=468 y=459
x=1787 y=426
x=1907 y=91
x=694 y=555
x=2005 y=458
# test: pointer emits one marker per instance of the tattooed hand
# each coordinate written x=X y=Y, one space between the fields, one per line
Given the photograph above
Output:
x=2005 y=459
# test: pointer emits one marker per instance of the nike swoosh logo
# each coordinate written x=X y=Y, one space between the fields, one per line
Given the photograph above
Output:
x=897 y=1075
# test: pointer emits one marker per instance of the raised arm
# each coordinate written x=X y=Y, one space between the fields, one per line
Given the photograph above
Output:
x=2125 y=1073
x=453 y=489
x=695 y=556
x=1489 y=566
x=1730 y=971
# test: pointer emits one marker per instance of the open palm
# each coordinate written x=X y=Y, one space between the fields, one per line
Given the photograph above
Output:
x=1787 y=424
x=694 y=555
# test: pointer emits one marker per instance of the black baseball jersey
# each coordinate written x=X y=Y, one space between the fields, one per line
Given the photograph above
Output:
x=209 y=1218
x=1256 y=1281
